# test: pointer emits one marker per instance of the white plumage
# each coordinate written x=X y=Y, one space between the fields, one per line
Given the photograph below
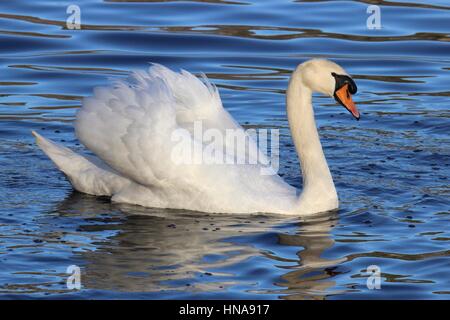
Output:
x=130 y=128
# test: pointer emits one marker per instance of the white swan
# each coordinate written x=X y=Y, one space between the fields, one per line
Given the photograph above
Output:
x=130 y=128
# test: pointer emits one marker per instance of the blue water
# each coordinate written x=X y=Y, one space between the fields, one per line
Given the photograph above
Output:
x=391 y=168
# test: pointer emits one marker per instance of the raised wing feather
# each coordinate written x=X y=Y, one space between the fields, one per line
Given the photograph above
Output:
x=130 y=125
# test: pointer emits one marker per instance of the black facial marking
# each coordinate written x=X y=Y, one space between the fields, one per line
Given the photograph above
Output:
x=342 y=80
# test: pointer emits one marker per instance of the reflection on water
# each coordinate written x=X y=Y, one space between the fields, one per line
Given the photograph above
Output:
x=147 y=250
x=391 y=168
x=313 y=277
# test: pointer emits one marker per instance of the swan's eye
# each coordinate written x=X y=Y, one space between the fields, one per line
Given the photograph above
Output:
x=341 y=80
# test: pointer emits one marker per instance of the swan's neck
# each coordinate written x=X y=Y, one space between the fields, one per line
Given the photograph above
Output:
x=319 y=193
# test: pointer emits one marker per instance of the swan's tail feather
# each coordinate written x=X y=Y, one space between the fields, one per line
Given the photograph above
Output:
x=62 y=157
x=86 y=175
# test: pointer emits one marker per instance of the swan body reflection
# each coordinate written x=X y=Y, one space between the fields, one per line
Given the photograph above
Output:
x=153 y=250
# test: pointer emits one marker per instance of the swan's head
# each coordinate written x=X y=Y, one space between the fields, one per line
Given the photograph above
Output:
x=327 y=77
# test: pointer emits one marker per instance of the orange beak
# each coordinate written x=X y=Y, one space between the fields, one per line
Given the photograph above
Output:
x=344 y=97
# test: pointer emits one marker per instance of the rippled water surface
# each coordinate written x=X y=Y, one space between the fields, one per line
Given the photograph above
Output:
x=391 y=168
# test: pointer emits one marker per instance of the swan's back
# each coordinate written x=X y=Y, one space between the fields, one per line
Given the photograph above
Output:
x=131 y=126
